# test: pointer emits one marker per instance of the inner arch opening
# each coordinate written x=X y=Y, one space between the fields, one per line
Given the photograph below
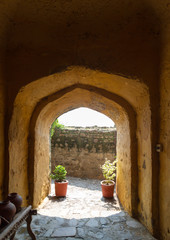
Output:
x=81 y=140
x=123 y=117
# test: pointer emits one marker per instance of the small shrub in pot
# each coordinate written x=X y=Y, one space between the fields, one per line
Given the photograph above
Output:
x=109 y=173
x=59 y=175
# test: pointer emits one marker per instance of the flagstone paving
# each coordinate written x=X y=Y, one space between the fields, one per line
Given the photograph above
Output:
x=83 y=214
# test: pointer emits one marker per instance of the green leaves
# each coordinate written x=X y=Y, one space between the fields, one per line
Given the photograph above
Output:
x=109 y=169
x=59 y=173
x=55 y=125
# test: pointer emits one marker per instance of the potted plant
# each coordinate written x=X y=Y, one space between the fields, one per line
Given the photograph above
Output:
x=109 y=173
x=59 y=175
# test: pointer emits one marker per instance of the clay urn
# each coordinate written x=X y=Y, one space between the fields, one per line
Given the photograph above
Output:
x=16 y=199
x=7 y=211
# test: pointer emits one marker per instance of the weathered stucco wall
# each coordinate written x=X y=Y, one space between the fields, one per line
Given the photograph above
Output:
x=145 y=165
x=124 y=167
x=83 y=150
x=164 y=185
x=39 y=170
x=2 y=140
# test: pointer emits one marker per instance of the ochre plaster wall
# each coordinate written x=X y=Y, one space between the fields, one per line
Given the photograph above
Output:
x=144 y=163
x=164 y=185
x=2 y=140
x=41 y=170
x=124 y=145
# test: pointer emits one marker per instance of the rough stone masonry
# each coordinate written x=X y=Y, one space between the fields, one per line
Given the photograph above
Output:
x=83 y=150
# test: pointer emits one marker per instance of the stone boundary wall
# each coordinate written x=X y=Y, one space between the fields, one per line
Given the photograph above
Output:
x=83 y=150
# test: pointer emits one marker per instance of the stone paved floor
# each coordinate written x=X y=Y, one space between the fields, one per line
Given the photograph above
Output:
x=83 y=214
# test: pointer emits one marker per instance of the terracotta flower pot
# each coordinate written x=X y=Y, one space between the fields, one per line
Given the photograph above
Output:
x=107 y=189
x=16 y=199
x=61 y=188
x=7 y=211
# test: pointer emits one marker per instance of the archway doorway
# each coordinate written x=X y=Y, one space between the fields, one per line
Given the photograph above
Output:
x=79 y=96
x=31 y=121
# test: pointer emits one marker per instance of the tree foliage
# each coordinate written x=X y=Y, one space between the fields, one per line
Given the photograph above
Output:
x=54 y=126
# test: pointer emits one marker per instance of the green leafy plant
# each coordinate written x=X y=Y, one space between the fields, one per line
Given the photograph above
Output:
x=55 y=125
x=109 y=170
x=59 y=173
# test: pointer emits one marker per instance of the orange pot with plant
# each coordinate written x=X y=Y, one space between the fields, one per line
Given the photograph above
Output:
x=109 y=173
x=59 y=175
